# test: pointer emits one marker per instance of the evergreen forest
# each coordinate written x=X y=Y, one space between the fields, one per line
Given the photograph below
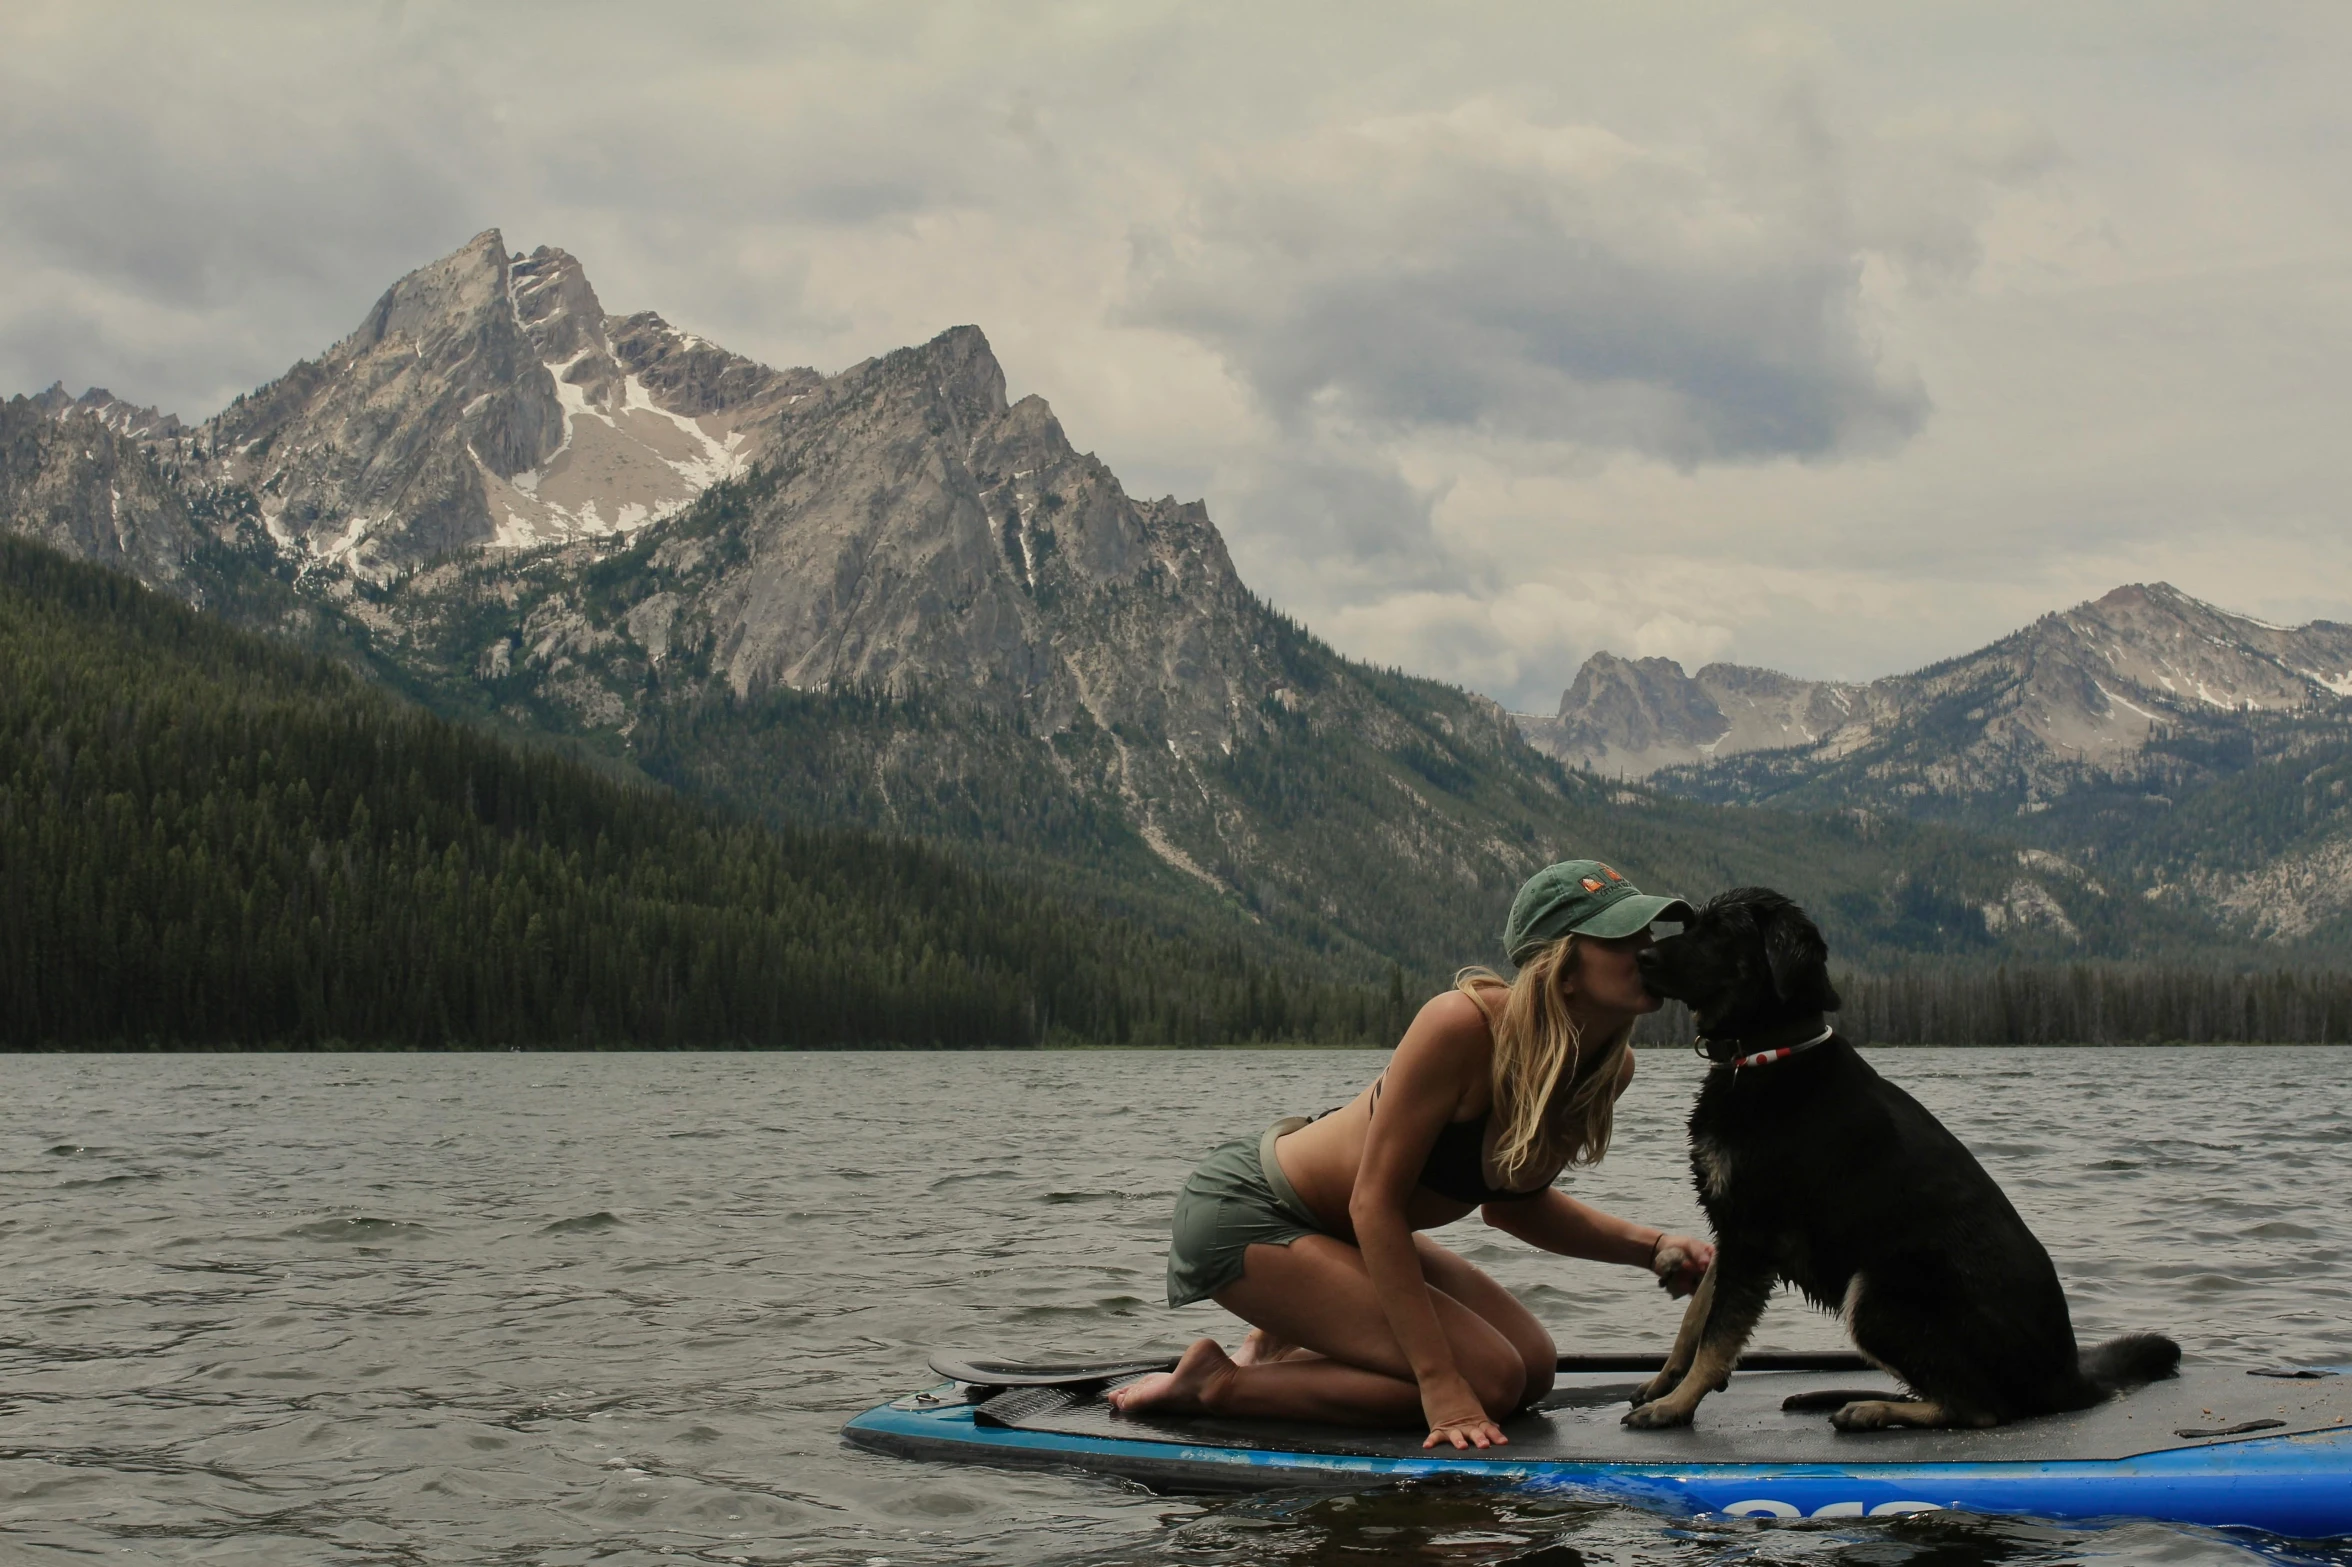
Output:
x=2076 y=1004
x=209 y=839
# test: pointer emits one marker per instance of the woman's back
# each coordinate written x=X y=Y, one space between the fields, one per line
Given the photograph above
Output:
x=1444 y=1107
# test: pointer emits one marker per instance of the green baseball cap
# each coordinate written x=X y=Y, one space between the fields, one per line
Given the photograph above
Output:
x=1583 y=897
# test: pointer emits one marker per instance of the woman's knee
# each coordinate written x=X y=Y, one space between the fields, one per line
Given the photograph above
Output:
x=1499 y=1380
x=1541 y=1358
x=1536 y=1371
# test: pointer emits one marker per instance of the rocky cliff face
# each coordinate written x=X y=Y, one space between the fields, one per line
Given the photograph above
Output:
x=125 y=419
x=71 y=477
x=1629 y=717
x=380 y=453
x=921 y=530
x=651 y=416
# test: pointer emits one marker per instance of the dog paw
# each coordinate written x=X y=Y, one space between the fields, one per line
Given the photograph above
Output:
x=1871 y=1415
x=1659 y=1416
x=1656 y=1387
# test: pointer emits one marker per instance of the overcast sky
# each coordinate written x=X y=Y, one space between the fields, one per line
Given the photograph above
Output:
x=1834 y=338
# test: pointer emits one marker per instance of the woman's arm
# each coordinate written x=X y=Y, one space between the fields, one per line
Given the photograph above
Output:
x=1557 y=1222
x=1444 y=1050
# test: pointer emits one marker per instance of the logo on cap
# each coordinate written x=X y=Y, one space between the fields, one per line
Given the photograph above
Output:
x=1612 y=875
x=1592 y=884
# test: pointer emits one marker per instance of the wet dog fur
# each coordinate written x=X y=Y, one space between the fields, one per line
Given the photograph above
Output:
x=1815 y=1170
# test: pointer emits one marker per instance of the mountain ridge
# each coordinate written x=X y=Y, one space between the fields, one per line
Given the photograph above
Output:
x=2076 y=673
x=2076 y=734
x=897 y=597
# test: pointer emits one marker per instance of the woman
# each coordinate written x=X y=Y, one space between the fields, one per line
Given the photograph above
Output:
x=1312 y=1233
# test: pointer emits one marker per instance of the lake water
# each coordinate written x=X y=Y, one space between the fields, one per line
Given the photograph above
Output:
x=569 y=1309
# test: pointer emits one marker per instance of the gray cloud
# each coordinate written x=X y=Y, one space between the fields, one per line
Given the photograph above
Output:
x=1459 y=320
x=1342 y=515
x=189 y=205
x=1478 y=270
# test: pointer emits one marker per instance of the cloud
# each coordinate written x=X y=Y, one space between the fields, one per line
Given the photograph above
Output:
x=1346 y=509
x=1836 y=343
x=190 y=204
x=1689 y=643
x=1481 y=270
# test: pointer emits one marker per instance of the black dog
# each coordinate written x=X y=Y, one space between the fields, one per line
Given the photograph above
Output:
x=1814 y=1169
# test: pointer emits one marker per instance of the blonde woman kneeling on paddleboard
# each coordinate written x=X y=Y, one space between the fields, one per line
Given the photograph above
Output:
x=1312 y=1233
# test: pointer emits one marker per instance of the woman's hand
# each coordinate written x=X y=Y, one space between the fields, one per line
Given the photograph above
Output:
x=1455 y=1415
x=1680 y=1262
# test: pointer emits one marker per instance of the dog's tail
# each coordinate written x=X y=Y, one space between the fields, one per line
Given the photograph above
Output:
x=2124 y=1363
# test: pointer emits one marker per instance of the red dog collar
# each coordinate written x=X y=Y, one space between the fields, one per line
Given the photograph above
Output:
x=1767 y=1057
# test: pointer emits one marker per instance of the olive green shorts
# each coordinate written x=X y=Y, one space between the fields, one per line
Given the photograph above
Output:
x=1236 y=1199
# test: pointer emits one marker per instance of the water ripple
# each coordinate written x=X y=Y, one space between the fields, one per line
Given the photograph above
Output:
x=520 y=1309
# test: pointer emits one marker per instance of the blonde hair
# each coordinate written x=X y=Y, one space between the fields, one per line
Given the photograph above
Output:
x=1554 y=1100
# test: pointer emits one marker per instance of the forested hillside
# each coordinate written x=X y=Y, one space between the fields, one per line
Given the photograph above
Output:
x=209 y=839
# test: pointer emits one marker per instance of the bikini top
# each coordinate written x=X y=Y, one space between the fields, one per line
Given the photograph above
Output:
x=1456 y=1166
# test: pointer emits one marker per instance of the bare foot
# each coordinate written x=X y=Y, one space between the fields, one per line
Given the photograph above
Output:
x=1262 y=1348
x=1198 y=1378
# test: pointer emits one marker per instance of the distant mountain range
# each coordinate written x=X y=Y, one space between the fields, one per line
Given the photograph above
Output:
x=2086 y=688
x=2105 y=730
x=894 y=598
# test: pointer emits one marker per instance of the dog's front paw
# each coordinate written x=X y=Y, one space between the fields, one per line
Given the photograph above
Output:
x=1874 y=1414
x=1663 y=1415
x=1658 y=1386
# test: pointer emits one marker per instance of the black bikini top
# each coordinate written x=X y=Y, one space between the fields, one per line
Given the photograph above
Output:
x=1456 y=1166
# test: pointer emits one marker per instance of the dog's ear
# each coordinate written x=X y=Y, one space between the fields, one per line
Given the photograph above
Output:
x=1799 y=959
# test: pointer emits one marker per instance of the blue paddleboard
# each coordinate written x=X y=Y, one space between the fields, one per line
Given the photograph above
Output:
x=2222 y=1446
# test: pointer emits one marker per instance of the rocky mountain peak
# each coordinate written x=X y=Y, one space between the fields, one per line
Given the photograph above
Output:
x=697 y=379
x=966 y=372
x=921 y=529
x=907 y=526
x=558 y=305
x=1640 y=702
x=489 y=400
x=2130 y=700
x=378 y=454
x=438 y=311
x=75 y=474
x=2157 y=640
x=1631 y=717
x=126 y=419
x=2085 y=686
x=954 y=378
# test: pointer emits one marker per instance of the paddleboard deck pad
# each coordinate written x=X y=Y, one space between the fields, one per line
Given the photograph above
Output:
x=2221 y=1446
